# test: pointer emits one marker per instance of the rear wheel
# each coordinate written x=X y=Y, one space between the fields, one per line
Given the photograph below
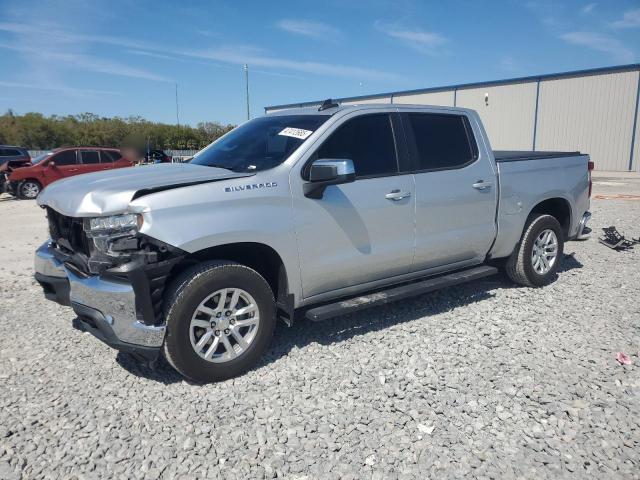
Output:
x=536 y=260
x=220 y=319
x=29 y=189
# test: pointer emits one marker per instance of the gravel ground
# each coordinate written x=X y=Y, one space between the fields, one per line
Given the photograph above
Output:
x=486 y=380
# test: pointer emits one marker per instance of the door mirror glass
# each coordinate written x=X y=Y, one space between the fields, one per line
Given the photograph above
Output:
x=325 y=172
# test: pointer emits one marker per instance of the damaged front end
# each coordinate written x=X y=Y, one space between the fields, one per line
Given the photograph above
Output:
x=111 y=275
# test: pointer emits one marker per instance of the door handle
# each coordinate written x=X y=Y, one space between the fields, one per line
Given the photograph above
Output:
x=72 y=170
x=482 y=185
x=396 y=195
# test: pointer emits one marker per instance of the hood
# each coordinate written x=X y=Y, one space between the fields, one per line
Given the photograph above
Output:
x=107 y=193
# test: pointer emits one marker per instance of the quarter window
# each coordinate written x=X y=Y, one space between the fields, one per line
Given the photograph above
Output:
x=368 y=141
x=68 y=157
x=442 y=141
x=109 y=156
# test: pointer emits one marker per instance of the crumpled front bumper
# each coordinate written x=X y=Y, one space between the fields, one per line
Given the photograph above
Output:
x=105 y=308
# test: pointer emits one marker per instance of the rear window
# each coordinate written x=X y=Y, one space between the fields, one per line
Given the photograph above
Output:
x=442 y=141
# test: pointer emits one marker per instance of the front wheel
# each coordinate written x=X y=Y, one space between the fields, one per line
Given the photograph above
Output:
x=536 y=260
x=220 y=319
x=29 y=189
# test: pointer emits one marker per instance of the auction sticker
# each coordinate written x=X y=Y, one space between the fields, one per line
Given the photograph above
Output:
x=300 y=133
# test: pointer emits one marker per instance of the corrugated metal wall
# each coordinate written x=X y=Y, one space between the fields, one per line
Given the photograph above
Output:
x=508 y=116
x=443 y=98
x=592 y=111
x=592 y=114
x=360 y=101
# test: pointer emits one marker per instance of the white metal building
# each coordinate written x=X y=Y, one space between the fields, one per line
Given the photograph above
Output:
x=594 y=111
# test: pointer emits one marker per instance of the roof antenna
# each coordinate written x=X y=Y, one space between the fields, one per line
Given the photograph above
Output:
x=327 y=104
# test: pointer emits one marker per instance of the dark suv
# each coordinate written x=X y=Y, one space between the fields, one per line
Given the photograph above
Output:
x=14 y=155
x=11 y=157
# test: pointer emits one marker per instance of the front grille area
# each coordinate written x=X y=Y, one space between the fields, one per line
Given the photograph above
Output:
x=68 y=232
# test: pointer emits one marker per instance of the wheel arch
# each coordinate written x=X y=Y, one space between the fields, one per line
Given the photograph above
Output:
x=557 y=207
x=261 y=257
x=21 y=182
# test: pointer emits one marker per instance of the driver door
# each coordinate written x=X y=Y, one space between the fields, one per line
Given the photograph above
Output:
x=358 y=232
x=60 y=165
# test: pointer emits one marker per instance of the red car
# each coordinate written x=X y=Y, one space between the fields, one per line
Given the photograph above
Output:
x=27 y=182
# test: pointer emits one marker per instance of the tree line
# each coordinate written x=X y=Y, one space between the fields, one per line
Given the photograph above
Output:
x=35 y=131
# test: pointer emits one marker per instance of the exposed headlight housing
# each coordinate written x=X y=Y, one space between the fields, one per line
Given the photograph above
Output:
x=114 y=223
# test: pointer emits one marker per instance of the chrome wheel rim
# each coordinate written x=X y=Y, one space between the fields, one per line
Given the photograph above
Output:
x=545 y=252
x=30 y=190
x=224 y=325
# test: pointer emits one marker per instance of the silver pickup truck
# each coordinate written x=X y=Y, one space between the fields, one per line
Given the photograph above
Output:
x=312 y=212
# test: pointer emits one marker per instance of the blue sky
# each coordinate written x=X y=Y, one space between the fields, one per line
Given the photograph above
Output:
x=123 y=57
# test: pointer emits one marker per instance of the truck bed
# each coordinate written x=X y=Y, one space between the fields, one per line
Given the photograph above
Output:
x=520 y=155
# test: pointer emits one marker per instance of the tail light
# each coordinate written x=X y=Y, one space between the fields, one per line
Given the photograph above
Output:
x=590 y=166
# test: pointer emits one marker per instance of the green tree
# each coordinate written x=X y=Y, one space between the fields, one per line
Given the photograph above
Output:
x=37 y=132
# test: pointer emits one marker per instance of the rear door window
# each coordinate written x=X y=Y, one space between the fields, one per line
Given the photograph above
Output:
x=89 y=157
x=442 y=141
x=68 y=157
x=368 y=141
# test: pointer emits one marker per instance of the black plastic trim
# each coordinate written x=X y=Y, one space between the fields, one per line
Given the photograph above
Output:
x=503 y=156
x=392 y=294
x=55 y=289
x=93 y=321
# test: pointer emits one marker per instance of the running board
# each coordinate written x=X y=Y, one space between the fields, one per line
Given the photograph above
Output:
x=342 y=307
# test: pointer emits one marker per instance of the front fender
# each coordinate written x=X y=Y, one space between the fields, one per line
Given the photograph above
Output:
x=214 y=214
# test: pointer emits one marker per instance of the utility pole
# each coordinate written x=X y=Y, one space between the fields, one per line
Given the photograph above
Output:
x=246 y=81
x=177 y=110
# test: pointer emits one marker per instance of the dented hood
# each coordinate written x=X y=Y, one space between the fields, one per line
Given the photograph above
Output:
x=109 y=192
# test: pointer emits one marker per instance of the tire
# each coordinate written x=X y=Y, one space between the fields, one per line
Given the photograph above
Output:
x=523 y=267
x=29 y=189
x=196 y=289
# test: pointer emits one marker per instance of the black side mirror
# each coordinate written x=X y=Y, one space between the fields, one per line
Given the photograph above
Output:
x=327 y=172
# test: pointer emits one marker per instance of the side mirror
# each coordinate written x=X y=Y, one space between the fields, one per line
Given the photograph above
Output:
x=51 y=164
x=327 y=172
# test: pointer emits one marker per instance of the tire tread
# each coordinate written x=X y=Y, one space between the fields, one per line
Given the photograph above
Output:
x=177 y=290
x=515 y=267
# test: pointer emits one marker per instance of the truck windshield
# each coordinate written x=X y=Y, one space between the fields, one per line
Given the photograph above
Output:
x=259 y=144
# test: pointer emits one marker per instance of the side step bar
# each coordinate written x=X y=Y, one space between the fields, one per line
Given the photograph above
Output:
x=342 y=307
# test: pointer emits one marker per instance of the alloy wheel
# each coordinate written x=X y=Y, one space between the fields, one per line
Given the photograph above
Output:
x=224 y=325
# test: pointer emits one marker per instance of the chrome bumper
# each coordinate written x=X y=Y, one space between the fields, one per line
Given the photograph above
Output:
x=109 y=306
x=584 y=232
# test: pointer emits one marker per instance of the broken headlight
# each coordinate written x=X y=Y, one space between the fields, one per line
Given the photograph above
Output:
x=115 y=223
x=114 y=236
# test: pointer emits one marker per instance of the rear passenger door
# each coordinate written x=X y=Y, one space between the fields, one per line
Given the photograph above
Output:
x=358 y=232
x=456 y=193
x=90 y=161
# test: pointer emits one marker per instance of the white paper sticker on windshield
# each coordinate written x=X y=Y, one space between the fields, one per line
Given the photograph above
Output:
x=300 y=133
